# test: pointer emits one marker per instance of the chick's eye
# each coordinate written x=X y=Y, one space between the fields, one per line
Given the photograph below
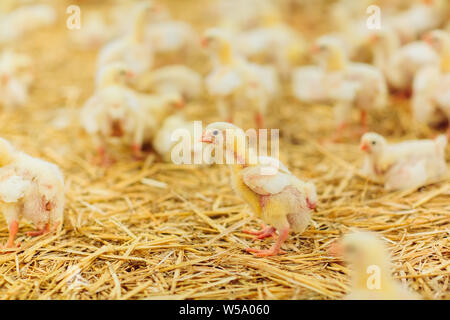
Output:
x=374 y=143
x=215 y=132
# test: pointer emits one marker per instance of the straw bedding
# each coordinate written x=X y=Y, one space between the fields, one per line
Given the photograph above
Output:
x=150 y=230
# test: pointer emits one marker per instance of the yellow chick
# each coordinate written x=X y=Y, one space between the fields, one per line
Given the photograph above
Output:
x=31 y=188
x=409 y=164
x=370 y=268
x=276 y=196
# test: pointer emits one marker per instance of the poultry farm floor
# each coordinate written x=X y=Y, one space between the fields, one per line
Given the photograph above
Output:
x=126 y=237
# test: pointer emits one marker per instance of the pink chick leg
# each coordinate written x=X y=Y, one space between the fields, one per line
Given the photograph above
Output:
x=103 y=159
x=36 y=233
x=259 y=120
x=265 y=232
x=137 y=152
x=13 y=229
x=276 y=248
x=339 y=132
x=363 y=122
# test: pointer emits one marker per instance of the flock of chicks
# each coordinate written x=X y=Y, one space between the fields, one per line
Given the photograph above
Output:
x=248 y=68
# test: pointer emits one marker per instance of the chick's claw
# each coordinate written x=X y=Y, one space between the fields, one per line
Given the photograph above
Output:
x=265 y=253
x=265 y=232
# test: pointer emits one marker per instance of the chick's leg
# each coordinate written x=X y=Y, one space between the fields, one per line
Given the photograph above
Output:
x=276 y=248
x=265 y=232
x=363 y=121
x=39 y=232
x=138 y=140
x=259 y=120
x=13 y=229
x=102 y=159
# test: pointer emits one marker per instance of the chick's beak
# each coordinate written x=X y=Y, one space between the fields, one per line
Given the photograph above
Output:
x=364 y=146
x=373 y=38
x=427 y=38
x=204 y=42
x=130 y=75
x=206 y=138
x=4 y=79
x=314 y=48
x=180 y=104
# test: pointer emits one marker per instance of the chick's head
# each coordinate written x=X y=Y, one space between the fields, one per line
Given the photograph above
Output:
x=114 y=73
x=372 y=143
x=438 y=39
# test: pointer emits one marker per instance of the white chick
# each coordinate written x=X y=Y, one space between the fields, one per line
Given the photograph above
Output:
x=153 y=109
x=419 y=18
x=17 y=65
x=112 y=111
x=174 y=78
x=15 y=78
x=405 y=165
x=431 y=87
x=371 y=277
x=131 y=49
x=94 y=33
x=30 y=188
x=400 y=63
x=163 y=142
x=275 y=195
x=307 y=84
x=172 y=37
x=274 y=42
x=349 y=85
x=25 y=19
x=235 y=81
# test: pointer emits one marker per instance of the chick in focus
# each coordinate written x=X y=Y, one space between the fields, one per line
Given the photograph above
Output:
x=371 y=277
x=404 y=165
x=275 y=195
x=30 y=188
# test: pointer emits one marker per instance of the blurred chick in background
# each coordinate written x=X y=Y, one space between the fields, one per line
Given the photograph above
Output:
x=132 y=48
x=405 y=165
x=16 y=76
x=349 y=85
x=400 y=64
x=236 y=82
x=368 y=260
x=274 y=42
x=431 y=88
